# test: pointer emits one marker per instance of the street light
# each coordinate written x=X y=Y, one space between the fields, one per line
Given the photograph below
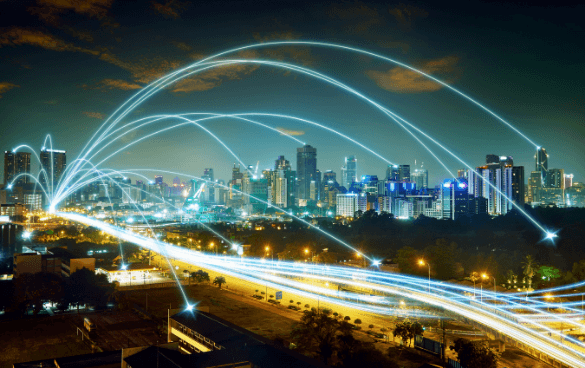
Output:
x=267 y=248
x=493 y=277
x=307 y=253
x=422 y=263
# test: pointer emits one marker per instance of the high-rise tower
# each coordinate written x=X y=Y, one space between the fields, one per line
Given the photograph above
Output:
x=350 y=172
x=306 y=171
x=541 y=158
x=54 y=162
x=16 y=163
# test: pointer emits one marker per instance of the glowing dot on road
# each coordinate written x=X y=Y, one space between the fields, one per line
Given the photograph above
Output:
x=551 y=235
x=190 y=307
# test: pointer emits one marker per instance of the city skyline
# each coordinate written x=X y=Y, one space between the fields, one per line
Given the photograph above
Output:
x=86 y=96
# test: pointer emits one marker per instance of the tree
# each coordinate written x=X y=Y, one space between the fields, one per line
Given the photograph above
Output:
x=529 y=267
x=358 y=322
x=370 y=327
x=548 y=272
x=407 y=257
x=319 y=333
x=201 y=276
x=407 y=330
x=366 y=355
x=347 y=318
x=219 y=280
x=474 y=354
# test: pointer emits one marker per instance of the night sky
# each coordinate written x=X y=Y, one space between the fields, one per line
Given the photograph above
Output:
x=66 y=65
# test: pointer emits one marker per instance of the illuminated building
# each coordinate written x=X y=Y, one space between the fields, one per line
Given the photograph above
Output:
x=534 y=187
x=349 y=171
x=54 y=162
x=347 y=204
x=541 y=159
x=421 y=178
x=14 y=165
x=33 y=201
x=518 y=185
x=208 y=193
x=568 y=180
x=455 y=198
x=499 y=172
x=306 y=171
x=158 y=179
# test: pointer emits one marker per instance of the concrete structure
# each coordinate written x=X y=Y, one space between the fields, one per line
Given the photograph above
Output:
x=71 y=262
x=210 y=341
x=36 y=261
x=132 y=272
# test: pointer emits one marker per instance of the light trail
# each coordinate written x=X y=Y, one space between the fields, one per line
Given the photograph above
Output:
x=559 y=351
x=370 y=101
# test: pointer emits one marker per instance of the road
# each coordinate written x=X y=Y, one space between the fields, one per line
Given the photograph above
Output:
x=279 y=278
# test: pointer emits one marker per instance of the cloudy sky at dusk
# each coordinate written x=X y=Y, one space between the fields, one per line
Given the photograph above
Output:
x=66 y=65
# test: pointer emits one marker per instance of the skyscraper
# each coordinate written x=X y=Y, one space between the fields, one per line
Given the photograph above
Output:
x=455 y=198
x=54 y=162
x=208 y=194
x=404 y=173
x=16 y=163
x=281 y=183
x=350 y=172
x=541 y=158
x=518 y=185
x=392 y=172
x=421 y=178
x=158 y=179
x=306 y=171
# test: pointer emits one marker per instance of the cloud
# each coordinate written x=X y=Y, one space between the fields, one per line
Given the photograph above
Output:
x=359 y=17
x=388 y=44
x=290 y=132
x=23 y=36
x=93 y=8
x=406 y=14
x=171 y=9
x=182 y=46
x=403 y=80
x=118 y=84
x=297 y=53
x=6 y=86
x=215 y=77
x=50 y=11
x=95 y=115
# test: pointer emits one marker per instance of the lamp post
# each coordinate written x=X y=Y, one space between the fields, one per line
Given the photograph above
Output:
x=307 y=253
x=422 y=263
x=484 y=276
x=267 y=248
x=211 y=245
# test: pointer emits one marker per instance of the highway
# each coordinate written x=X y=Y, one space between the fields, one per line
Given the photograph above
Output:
x=303 y=280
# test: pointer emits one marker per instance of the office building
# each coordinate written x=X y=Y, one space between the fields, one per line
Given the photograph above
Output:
x=534 y=187
x=421 y=178
x=306 y=172
x=455 y=198
x=349 y=171
x=158 y=180
x=541 y=159
x=518 y=195
x=16 y=163
x=54 y=162
x=568 y=180
x=346 y=204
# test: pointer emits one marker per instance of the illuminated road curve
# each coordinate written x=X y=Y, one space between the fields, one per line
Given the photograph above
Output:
x=285 y=276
